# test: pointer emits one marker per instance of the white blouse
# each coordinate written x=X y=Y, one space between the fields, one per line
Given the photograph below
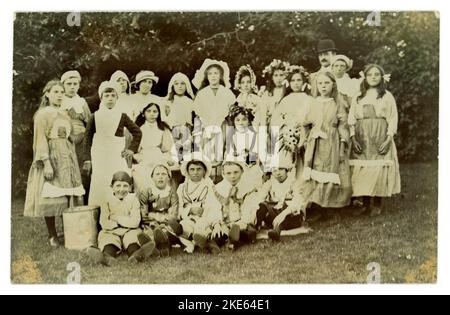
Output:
x=347 y=86
x=385 y=107
x=292 y=110
x=180 y=111
x=156 y=145
x=213 y=108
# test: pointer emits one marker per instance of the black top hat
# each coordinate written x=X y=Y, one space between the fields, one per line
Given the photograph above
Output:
x=325 y=45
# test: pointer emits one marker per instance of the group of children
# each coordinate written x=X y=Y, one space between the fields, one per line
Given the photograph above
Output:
x=211 y=169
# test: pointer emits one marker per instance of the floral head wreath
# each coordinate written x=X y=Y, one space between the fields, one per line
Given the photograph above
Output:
x=300 y=69
x=243 y=70
x=235 y=110
x=276 y=64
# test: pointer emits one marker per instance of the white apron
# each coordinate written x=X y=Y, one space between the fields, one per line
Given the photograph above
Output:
x=106 y=155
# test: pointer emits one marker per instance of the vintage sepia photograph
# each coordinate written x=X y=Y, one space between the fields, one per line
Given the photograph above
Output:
x=237 y=147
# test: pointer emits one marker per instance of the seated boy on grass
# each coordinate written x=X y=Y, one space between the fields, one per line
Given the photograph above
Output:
x=159 y=210
x=120 y=217
x=281 y=206
x=235 y=195
x=199 y=208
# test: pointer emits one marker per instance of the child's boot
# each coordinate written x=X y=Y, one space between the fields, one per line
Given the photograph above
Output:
x=275 y=234
x=95 y=255
x=364 y=208
x=261 y=215
x=176 y=227
x=162 y=242
x=314 y=214
x=213 y=248
x=376 y=209
x=144 y=238
x=248 y=235
x=142 y=253
x=199 y=240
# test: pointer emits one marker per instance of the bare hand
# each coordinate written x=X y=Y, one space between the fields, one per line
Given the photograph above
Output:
x=356 y=146
x=127 y=154
x=167 y=110
x=87 y=167
x=48 y=171
x=385 y=146
x=216 y=231
x=153 y=198
x=342 y=153
x=279 y=205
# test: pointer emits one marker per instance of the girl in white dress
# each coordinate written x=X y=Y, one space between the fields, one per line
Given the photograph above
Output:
x=242 y=145
x=211 y=105
x=275 y=75
x=125 y=100
x=177 y=112
x=157 y=145
x=245 y=83
x=292 y=113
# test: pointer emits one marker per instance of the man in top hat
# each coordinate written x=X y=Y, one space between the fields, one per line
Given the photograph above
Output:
x=326 y=50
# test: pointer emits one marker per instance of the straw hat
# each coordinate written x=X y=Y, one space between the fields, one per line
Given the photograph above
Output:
x=145 y=74
x=200 y=74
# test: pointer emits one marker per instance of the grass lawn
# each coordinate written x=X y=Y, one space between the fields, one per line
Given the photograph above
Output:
x=403 y=241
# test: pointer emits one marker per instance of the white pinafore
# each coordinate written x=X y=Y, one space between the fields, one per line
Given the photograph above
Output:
x=106 y=154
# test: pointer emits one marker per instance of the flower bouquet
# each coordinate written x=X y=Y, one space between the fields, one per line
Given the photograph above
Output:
x=291 y=138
